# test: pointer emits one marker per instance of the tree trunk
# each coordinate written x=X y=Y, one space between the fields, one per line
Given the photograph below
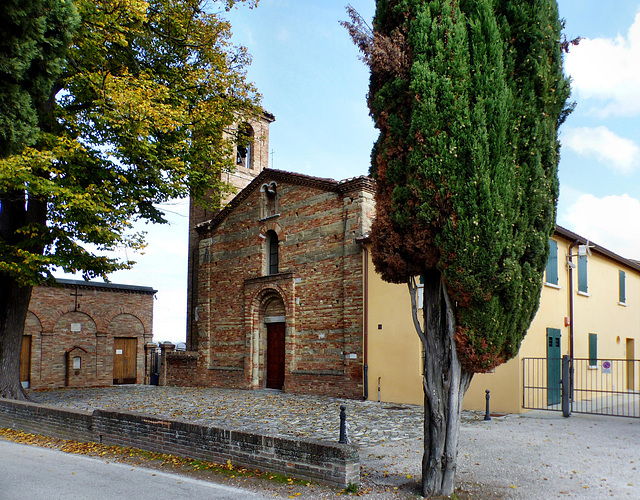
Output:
x=445 y=384
x=15 y=213
x=14 y=305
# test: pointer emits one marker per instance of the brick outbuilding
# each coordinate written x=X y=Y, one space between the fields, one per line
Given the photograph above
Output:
x=82 y=333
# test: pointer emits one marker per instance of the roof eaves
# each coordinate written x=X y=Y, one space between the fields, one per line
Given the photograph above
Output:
x=107 y=286
x=581 y=240
x=362 y=183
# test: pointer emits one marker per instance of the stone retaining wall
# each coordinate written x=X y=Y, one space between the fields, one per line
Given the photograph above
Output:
x=335 y=464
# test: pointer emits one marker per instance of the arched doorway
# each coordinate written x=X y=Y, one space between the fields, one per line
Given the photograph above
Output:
x=275 y=355
x=32 y=332
x=126 y=330
x=274 y=320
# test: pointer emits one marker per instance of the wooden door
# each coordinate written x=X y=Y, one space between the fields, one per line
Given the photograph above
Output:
x=554 y=366
x=124 y=360
x=25 y=361
x=275 y=355
x=631 y=375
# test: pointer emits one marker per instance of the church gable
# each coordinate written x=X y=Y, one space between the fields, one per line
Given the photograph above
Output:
x=307 y=218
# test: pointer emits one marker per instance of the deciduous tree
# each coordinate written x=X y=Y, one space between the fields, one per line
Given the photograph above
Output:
x=137 y=112
x=468 y=96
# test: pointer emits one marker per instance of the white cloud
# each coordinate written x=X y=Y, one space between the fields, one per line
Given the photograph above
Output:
x=622 y=155
x=612 y=222
x=607 y=69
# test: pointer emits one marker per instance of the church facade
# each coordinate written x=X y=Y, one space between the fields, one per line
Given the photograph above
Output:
x=280 y=290
x=275 y=289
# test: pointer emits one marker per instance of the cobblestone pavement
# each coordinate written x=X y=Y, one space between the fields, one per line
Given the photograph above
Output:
x=369 y=422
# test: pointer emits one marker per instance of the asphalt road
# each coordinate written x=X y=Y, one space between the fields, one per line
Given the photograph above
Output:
x=34 y=473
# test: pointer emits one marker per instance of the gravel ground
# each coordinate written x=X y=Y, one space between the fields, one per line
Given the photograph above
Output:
x=529 y=456
x=532 y=456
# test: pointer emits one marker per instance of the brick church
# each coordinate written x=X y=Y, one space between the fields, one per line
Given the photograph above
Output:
x=275 y=288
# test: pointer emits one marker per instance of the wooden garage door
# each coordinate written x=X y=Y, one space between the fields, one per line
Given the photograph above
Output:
x=124 y=360
x=25 y=361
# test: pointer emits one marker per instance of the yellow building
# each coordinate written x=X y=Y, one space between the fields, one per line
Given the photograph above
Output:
x=589 y=310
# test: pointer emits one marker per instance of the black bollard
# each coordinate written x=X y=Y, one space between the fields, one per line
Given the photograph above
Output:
x=487 y=413
x=343 y=424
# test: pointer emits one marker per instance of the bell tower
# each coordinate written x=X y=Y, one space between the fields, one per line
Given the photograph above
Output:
x=251 y=156
x=251 y=152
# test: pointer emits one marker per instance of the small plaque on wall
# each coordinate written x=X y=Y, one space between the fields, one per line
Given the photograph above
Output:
x=118 y=351
x=76 y=327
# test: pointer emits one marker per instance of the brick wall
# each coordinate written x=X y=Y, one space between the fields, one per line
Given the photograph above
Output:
x=46 y=420
x=82 y=319
x=335 y=464
x=319 y=286
x=180 y=368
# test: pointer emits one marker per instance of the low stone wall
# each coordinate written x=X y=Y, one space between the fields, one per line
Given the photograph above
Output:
x=47 y=420
x=335 y=464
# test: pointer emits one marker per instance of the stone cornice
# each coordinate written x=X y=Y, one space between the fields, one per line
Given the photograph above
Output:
x=270 y=278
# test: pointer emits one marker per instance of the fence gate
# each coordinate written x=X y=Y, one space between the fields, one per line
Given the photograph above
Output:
x=154 y=367
x=596 y=386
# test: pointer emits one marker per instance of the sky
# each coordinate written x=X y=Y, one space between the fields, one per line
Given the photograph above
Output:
x=311 y=79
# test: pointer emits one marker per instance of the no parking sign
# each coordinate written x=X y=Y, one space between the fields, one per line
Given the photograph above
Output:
x=606 y=367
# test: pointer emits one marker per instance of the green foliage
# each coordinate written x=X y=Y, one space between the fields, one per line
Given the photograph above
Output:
x=466 y=162
x=351 y=489
x=138 y=112
x=34 y=41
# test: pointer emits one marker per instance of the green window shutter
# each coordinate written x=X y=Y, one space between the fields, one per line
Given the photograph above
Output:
x=582 y=274
x=552 y=263
x=593 y=349
x=622 y=295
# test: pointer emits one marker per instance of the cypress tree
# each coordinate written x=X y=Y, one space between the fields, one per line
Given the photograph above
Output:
x=468 y=96
x=33 y=45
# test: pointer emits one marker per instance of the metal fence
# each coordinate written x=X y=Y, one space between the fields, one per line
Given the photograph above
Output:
x=536 y=393
x=601 y=387
x=154 y=367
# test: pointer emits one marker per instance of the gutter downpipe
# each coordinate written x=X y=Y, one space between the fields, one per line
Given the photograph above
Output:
x=571 y=247
x=365 y=330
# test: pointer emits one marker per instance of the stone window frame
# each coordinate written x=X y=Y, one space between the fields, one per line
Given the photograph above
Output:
x=272 y=253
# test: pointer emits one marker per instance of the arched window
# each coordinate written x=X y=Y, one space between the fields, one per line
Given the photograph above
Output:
x=244 y=147
x=271 y=244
